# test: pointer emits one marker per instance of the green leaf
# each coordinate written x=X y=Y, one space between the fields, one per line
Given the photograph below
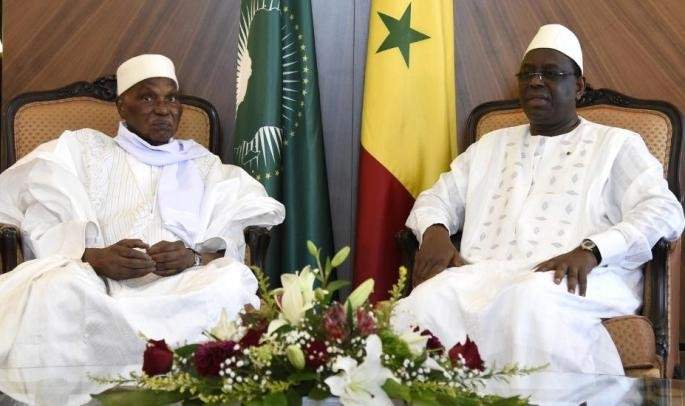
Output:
x=318 y=394
x=340 y=257
x=187 y=350
x=301 y=376
x=396 y=390
x=337 y=284
x=142 y=397
x=275 y=399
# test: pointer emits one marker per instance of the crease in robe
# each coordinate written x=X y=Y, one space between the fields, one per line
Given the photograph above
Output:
x=82 y=190
x=523 y=199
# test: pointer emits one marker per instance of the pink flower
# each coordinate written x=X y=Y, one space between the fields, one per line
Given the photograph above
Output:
x=210 y=355
x=365 y=322
x=335 y=322
x=157 y=358
x=469 y=352
x=433 y=342
x=315 y=354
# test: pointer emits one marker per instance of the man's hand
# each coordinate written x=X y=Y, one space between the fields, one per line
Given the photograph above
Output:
x=120 y=261
x=171 y=257
x=435 y=254
x=576 y=265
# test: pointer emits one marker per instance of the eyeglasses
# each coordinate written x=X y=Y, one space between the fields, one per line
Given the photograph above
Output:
x=545 y=75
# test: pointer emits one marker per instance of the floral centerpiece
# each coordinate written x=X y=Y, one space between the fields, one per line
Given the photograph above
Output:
x=302 y=342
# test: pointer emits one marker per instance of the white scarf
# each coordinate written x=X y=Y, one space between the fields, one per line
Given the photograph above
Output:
x=181 y=188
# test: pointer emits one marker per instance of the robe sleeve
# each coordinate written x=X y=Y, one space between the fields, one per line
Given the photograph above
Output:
x=233 y=201
x=44 y=196
x=640 y=206
x=444 y=202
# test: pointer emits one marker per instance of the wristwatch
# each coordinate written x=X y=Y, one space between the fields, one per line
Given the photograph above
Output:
x=589 y=245
x=198 y=258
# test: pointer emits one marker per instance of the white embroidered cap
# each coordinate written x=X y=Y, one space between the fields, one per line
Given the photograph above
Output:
x=559 y=38
x=143 y=67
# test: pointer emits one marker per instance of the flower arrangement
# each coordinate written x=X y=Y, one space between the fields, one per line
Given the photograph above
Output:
x=302 y=342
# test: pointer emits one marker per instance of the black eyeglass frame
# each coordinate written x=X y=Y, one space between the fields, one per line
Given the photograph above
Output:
x=545 y=75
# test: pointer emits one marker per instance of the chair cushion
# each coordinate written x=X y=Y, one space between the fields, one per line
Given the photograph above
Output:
x=39 y=122
x=654 y=126
x=635 y=341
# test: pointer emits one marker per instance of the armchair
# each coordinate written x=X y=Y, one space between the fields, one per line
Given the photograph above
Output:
x=648 y=342
x=37 y=117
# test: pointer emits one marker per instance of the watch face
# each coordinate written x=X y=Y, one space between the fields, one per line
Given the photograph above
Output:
x=587 y=244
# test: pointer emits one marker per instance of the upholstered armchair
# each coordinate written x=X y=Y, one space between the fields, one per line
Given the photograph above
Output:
x=34 y=118
x=647 y=342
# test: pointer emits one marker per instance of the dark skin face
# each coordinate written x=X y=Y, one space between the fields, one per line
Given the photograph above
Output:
x=151 y=109
x=549 y=104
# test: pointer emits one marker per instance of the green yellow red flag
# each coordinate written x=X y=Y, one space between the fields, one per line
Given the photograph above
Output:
x=408 y=125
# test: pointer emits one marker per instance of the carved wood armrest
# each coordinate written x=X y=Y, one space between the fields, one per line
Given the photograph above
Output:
x=257 y=240
x=408 y=245
x=9 y=242
x=664 y=282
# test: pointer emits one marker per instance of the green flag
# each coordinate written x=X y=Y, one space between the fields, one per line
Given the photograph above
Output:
x=278 y=136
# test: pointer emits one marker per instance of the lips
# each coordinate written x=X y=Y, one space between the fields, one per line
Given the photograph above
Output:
x=163 y=125
x=537 y=100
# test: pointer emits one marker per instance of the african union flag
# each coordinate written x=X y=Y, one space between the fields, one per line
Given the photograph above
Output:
x=408 y=125
x=278 y=138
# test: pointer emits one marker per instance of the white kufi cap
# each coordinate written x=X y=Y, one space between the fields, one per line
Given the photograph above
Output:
x=559 y=38
x=143 y=67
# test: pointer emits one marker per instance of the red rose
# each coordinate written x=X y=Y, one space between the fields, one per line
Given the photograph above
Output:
x=365 y=322
x=210 y=355
x=335 y=322
x=315 y=354
x=433 y=342
x=469 y=352
x=157 y=358
x=253 y=335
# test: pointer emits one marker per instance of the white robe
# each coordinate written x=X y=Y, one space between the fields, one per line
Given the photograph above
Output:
x=82 y=190
x=523 y=199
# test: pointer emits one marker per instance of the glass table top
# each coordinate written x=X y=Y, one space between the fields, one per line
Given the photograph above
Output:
x=72 y=386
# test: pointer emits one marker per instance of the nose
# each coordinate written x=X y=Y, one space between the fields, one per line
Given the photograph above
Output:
x=536 y=79
x=161 y=108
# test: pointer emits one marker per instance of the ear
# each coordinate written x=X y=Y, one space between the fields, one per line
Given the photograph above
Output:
x=580 y=87
x=120 y=107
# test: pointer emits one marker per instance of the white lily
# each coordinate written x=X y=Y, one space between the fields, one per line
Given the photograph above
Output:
x=361 y=385
x=415 y=341
x=298 y=295
x=227 y=329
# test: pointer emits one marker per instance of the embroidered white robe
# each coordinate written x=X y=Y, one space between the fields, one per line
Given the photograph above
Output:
x=523 y=199
x=82 y=190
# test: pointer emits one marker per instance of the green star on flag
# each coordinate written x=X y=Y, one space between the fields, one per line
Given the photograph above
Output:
x=400 y=33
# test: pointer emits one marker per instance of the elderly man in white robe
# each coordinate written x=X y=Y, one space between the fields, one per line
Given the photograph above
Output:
x=557 y=217
x=140 y=234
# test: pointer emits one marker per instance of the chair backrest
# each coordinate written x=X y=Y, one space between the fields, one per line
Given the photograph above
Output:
x=659 y=123
x=34 y=118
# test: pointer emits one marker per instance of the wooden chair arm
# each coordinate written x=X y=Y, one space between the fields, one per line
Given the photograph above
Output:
x=9 y=242
x=257 y=240
x=408 y=245
x=663 y=308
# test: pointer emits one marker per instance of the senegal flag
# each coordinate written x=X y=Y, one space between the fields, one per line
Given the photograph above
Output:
x=408 y=125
